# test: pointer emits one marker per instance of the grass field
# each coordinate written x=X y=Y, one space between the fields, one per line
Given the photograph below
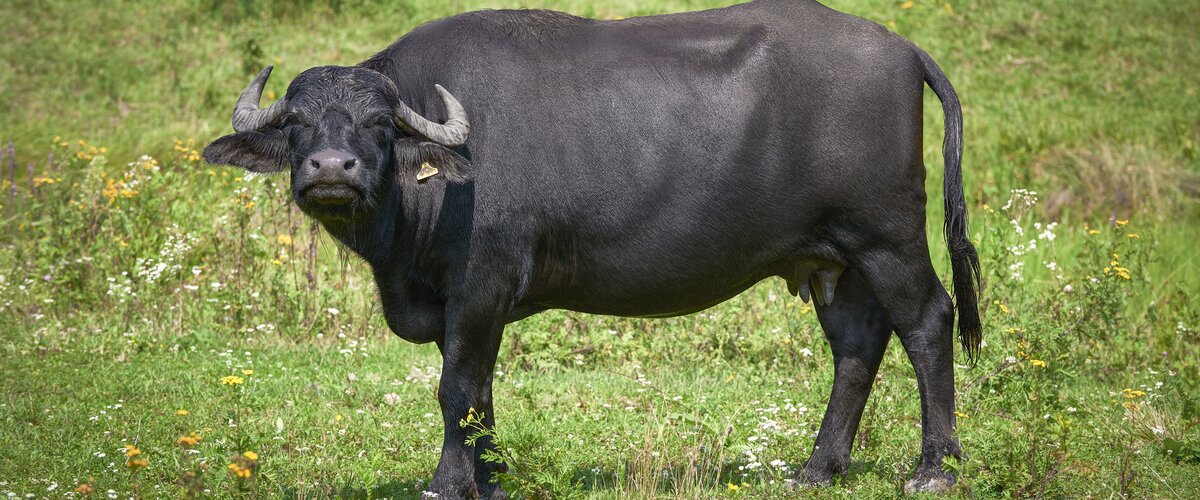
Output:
x=148 y=300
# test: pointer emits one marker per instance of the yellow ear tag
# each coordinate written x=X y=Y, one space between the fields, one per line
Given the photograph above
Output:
x=426 y=171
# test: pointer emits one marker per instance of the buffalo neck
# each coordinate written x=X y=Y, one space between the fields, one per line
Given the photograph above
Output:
x=397 y=237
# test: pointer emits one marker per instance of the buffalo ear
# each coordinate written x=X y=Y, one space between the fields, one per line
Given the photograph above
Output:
x=262 y=151
x=411 y=154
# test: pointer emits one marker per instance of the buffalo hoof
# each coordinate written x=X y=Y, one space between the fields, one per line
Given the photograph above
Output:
x=819 y=473
x=448 y=492
x=929 y=481
x=810 y=479
x=493 y=492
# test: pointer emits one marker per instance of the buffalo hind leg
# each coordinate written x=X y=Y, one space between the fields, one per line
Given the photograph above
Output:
x=918 y=307
x=858 y=335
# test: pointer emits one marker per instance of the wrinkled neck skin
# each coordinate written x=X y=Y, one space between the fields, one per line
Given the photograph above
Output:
x=397 y=237
x=370 y=234
x=397 y=240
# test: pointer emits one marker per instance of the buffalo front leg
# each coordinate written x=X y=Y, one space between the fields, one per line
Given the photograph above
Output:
x=858 y=335
x=468 y=362
x=920 y=310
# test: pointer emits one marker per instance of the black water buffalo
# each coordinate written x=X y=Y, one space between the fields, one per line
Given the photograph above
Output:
x=647 y=167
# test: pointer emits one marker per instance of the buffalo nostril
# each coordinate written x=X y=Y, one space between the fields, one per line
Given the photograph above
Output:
x=350 y=163
x=315 y=164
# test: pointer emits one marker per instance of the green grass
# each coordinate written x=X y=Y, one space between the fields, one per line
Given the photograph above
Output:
x=1092 y=104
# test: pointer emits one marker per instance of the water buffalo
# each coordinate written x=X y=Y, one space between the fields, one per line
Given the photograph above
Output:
x=495 y=164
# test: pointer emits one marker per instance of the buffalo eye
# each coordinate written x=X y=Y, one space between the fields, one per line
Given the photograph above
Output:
x=381 y=122
x=291 y=121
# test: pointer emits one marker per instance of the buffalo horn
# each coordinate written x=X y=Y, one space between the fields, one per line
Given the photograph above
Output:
x=453 y=134
x=246 y=115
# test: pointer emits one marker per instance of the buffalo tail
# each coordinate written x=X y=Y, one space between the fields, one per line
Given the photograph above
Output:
x=963 y=258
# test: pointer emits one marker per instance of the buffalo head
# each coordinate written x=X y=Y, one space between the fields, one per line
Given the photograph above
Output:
x=346 y=137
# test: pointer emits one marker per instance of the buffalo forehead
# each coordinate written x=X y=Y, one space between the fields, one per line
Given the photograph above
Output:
x=355 y=90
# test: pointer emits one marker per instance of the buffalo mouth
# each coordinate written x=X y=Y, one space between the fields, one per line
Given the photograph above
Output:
x=330 y=194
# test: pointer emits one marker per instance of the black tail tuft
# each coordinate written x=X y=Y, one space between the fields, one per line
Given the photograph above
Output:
x=963 y=259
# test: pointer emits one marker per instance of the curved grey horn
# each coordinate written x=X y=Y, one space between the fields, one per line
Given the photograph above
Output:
x=453 y=134
x=246 y=115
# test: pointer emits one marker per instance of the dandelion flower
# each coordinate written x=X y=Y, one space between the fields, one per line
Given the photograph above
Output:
x=250 y=455
x=906 y=5
x=1037 y=363
x=248 y=372
x=232 y=380
x=182 y=413
x=732 y=487
x=284 y=240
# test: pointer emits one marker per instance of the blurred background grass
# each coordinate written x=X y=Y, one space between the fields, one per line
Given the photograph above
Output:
x=1093 y=104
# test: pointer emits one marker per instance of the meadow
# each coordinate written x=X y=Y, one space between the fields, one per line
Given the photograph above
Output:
x=170 y=328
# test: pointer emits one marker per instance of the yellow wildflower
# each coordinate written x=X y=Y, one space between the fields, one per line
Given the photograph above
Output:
x=247 y=372
x=1093 y=231
x=960 y=414
x=1134 y=236
x=232 y=380
x=1133 y=393
x=182 y=413
x=1037 y=363
x=1121 y=223
x=192 y=439
x=732 y=487
x=906 y=5
x=285 y=240
x=135 y=463
x=250 y=455
x=240 y=470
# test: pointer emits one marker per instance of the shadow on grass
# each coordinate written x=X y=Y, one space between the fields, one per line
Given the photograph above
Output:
x=400 y=489
x=671 y=481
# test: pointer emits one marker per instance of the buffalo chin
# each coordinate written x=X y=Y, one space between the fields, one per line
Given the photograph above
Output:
x=329 y=202
x=331 y=195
